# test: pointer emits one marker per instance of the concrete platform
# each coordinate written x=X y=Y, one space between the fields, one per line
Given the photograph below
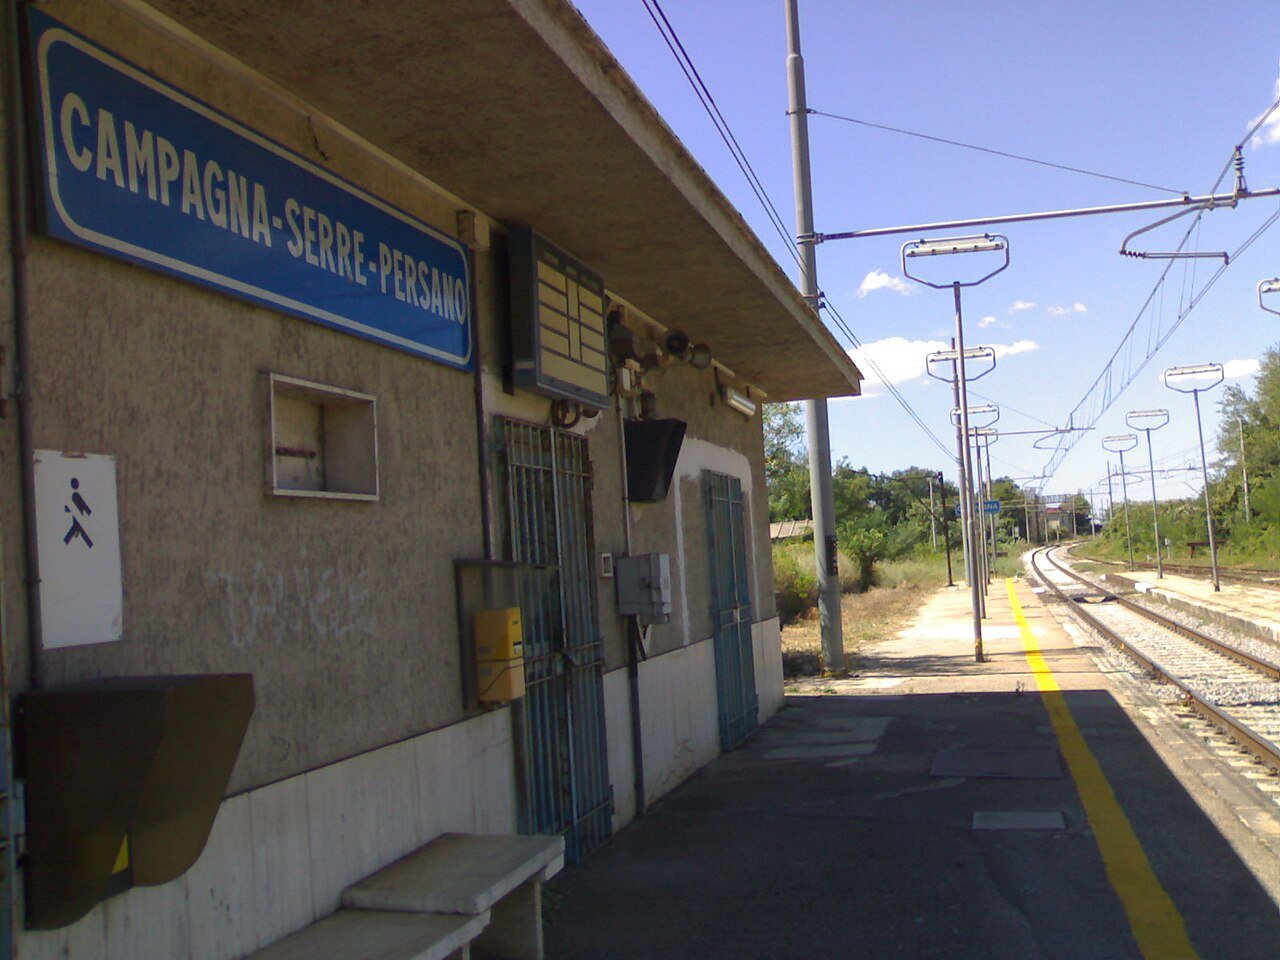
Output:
x=1238 y=606
x=786 y=849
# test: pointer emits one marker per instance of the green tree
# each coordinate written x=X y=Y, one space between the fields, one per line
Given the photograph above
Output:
x=785 y=472
x=783 y=440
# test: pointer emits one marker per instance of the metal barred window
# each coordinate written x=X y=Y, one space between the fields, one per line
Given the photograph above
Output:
x=565 y=771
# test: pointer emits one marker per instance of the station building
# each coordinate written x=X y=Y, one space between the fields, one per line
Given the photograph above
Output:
x=342 y=342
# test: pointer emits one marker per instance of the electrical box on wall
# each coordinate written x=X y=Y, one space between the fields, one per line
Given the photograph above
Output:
x=499 y=655
x=644 y=586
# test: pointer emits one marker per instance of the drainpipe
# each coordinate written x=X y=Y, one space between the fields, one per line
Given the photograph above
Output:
x=635 y=635
x=19 y=234
x=482 y=431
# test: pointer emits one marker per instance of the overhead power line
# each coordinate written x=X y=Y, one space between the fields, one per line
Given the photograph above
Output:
x=997 y=153
x=880 y=375
x=703 y=93
x=1126 y=363
x=700 y=89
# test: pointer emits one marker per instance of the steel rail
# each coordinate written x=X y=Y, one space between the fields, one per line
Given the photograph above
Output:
x=1244 y=735
x=1265 y=667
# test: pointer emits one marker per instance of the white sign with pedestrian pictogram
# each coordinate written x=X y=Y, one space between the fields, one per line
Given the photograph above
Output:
x=78 y=536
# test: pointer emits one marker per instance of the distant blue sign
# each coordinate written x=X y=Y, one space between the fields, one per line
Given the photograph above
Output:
x=990 y=506
x=146 y=173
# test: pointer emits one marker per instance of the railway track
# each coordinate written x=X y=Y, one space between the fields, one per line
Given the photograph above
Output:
x=1235 y=689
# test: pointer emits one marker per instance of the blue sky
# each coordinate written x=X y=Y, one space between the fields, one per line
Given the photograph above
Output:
x=1158 y=92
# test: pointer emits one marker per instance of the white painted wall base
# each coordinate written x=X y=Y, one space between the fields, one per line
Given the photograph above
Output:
x=678 y=716
x=766 y=644
x=617 y=718
x=279 y=857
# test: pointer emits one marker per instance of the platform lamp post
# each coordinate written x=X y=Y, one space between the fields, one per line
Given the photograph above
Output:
x=980 y=243
x=1147 y=421
x=951 y=359
x=988 y=413
x=1175 y=378
x=983 y=438
x=1122 y=443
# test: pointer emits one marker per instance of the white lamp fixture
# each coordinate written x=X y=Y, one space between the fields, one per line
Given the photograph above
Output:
x=739 y=401
x=977 y=244
x=1266 y=287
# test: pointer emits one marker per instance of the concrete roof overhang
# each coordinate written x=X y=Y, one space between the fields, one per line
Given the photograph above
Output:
x=517 y=107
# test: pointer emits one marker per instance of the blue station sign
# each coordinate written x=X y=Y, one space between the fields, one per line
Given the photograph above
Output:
x=141 y=171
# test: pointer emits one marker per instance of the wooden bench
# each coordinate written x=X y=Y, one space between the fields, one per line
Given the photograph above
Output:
x=1191 y=547
x=461 y=895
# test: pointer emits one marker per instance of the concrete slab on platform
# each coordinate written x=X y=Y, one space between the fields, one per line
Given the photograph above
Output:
x=1019 y=820
x=997 y=763
x=820 y=751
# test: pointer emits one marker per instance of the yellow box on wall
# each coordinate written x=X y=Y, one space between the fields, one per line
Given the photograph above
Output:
x=499 y=634
x=499 y=681
x=499 y=651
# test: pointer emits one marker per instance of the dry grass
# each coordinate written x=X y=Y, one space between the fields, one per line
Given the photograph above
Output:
x=867 y=617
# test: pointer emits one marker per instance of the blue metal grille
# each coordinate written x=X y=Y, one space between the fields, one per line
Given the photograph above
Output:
x=730 y=608
x=547 y=477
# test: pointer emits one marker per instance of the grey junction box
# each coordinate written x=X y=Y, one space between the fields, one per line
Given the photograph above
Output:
x=644 y=586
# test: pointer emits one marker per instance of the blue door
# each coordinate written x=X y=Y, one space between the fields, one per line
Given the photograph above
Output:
x=730 y=608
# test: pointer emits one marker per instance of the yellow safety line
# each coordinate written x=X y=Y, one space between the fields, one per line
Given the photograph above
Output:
x=1156 y=923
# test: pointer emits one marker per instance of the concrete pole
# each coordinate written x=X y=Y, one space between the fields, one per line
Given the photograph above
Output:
x=1124 y=488
x=1208 y=512
x=975 y=588
x=962 y=486
x=933 y=519
x=946 y=529
x=980 y=515
x=991 y=517
x=1155 y=509
x=819 y=436
x=1111 y=497
x=1244 y=471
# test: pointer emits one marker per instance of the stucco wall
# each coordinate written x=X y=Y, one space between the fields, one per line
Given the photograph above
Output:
x=344 y=612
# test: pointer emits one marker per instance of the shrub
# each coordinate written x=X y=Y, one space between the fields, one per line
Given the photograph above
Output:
x=795 y=582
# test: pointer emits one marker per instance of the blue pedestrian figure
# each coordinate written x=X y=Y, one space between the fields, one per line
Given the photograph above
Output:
x=81 y=505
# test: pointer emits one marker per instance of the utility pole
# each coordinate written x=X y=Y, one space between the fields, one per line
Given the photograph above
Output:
x=962 y=493
x=946 y=528
x=933 y=520
x=1244 y=471
x=818 y=430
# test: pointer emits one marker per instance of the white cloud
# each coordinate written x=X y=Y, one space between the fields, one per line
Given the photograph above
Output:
x=1018 y=305
x=879 y=280
x=1237 y=369
x=986 y=321
x=1231 y=370
x=1076 y=307
x=1269 y=132
x=902 y=361
x=1008 y=350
